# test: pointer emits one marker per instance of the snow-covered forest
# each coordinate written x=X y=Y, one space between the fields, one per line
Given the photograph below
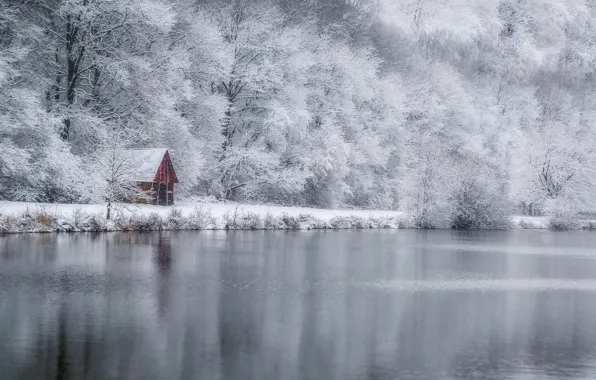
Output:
x=453 y=111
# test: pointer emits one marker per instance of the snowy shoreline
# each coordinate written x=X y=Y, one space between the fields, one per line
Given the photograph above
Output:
x=22 y=217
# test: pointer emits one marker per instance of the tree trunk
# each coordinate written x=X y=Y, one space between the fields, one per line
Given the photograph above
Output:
x=74 y=56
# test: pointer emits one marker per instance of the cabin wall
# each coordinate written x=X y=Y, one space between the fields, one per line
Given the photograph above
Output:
x=165 y=176
x=165 y=172
x=163 y=193
x=160 y=191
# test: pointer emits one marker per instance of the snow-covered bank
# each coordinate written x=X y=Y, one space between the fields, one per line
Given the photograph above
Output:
x=530 y=222
x=19 y=217
x=542 y=222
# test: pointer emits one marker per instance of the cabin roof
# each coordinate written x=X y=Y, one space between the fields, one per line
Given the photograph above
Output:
x=146 y=163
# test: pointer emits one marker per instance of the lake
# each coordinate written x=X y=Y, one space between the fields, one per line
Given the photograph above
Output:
x=264 y=305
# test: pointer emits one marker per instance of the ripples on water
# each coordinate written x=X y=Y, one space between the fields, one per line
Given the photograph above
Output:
x=299 y=305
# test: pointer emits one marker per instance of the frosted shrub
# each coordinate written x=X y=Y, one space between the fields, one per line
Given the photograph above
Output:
x=428 y=213
x=476 y=207
x=8 y=224
x=388 y=222
x=251 y=221
x=524 y=224
x=268 y=222
x=426 y=222
x=376 y=222
x=97 y=222
x=39 y=220
x=402 y=222
x=338 y=223
x=42 y=218
x=230 y=219
x=563 y=213
x=239 y=220
x=175 y=220
x=152 y=222
x=563 y=222
x=290 y=222
x=271 y=222
x=309 y=222
x=359 y=222
x=79 y=217
x=345 y=222
x=200 y=219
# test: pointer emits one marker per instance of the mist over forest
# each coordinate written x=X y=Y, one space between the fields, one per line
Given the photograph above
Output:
x=457 y=112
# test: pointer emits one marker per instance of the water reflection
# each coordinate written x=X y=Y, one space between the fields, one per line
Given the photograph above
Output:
x=309 y=305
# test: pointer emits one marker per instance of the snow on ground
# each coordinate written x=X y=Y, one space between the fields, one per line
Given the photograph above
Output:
x=46 y=217
x=217 y=209
x=544 y=222
x=534 y=222
x=18 y=217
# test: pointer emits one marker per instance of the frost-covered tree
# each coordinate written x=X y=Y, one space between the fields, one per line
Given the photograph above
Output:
x=451 y=110
x=35 y=165
x=116 y=169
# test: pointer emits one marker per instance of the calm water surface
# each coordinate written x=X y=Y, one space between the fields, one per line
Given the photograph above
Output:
x=299 y=305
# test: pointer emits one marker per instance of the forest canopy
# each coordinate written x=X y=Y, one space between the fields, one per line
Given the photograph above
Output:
x=455 y=111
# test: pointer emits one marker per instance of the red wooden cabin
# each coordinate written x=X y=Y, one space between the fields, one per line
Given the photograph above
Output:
x=154 y=173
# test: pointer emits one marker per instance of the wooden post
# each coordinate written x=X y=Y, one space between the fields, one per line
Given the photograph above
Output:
x=157 y=195
x=172 y=192
x=167 y=183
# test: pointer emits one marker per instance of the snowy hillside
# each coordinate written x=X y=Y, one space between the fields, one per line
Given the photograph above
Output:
x=457 y=113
